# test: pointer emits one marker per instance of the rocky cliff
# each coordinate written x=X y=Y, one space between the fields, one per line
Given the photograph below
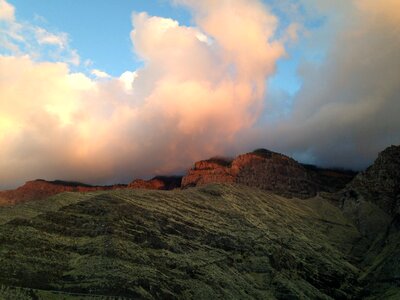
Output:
x=261 y=168
x=380 y=183
x=269 y=171
x=371 y=201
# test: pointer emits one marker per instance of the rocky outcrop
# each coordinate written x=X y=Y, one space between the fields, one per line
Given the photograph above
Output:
x=157 y=183
x=261 y=168
x=380 y=183
x=371 y=201
x=372 y=198
x=40 y=189
x=213 y=170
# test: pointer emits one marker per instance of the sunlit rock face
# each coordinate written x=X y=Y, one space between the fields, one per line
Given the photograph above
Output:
x=214 y=170
x=261 y=168
x=40 y=189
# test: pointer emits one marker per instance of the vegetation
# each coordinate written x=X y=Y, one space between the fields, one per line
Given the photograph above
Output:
x=215 y=241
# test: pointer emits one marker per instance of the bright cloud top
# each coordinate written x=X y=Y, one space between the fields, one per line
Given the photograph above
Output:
x=199 y=87
x=202 y=91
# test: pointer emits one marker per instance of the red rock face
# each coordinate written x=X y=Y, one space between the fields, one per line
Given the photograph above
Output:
x=208 y=172
x=263 y=169
x=40 y=189
x=152 y=184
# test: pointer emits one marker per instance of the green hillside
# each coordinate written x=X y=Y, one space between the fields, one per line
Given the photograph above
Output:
x=216 y=241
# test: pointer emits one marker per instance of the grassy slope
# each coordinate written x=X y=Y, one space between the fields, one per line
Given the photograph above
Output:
x=215 y=241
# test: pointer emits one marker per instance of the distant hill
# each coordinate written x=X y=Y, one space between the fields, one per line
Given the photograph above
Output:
x=41 y=189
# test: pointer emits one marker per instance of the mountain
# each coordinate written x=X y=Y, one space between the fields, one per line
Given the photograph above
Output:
x=269 y=171
x=261 y=168
x=372 y=202
x=327 y=236
x=380 y=183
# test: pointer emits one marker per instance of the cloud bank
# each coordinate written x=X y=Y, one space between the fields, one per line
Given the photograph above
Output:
x=202 y=91
x=348 y=108
x=198 y=88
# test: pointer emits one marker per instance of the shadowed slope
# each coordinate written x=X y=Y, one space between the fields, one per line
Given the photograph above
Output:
x=372 y=202
x=216 y=241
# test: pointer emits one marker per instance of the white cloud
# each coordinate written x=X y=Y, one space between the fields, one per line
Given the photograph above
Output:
x=24 y=38
x=100 y=74
x=193 y=99
x=188 y=101
x=7 y=11
x=45 y=37
x=127 y=78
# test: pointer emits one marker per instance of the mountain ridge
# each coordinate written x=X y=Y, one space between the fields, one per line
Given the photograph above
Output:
x=260 y=168
x=215 y=240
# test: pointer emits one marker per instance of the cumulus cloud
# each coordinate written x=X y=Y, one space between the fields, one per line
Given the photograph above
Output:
x=198 y=88
x=347 y=110
x=201 y=92
x=100 y=74
x=7 y=11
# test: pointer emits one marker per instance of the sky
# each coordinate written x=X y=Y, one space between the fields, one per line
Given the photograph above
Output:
x=107 y=91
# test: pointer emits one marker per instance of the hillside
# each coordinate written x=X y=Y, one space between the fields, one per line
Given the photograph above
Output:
x=212 y=241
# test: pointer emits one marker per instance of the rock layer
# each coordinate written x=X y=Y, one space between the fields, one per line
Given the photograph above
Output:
x=262 y=168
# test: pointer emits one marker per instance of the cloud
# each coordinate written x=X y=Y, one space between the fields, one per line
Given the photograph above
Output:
x=25 y=38
x=127 y=78
x=45 y=37
x=7 y=11
x=198 y=88
x=100 y=74
x=347 y=110
x=202 y=91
